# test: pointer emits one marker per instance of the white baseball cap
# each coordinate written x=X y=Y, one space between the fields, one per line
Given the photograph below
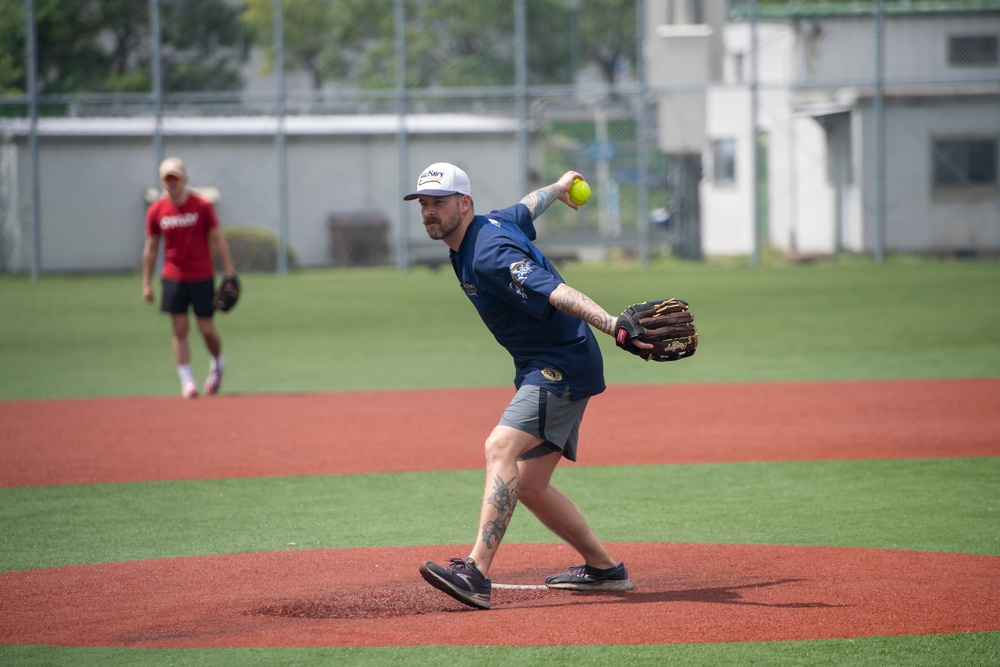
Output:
x=440 y=180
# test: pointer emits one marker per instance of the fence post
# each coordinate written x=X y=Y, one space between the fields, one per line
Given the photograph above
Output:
x=36 y=194
x=281 y=149
x=521 y=87
x=879 y=132
x=752 y=174
x=402 y=144
x=643 y=138
x=157 y=75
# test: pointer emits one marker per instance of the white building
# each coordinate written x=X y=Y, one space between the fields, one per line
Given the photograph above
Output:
x=816 y=88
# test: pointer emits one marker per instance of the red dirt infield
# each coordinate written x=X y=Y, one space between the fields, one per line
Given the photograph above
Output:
x=685 y=593
x=90 y=441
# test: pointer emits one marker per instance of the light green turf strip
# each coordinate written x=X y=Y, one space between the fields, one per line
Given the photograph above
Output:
x=968 y=650
x=313 y=331
x=921 y=504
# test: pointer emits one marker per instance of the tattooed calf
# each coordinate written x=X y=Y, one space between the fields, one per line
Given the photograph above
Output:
x=504 y=498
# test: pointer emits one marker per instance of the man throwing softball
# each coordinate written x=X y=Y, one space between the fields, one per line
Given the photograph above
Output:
x=189 y=227
x=546 y=326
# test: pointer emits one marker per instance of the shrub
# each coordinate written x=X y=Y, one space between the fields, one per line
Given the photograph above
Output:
x=254 y=249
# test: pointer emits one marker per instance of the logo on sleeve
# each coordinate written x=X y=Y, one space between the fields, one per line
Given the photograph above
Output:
x=518 y=273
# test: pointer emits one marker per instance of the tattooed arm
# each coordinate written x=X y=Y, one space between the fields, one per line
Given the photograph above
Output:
x=579 y=305
x=542 y=198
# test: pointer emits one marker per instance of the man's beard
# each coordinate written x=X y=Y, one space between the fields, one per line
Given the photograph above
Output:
x=438 y=229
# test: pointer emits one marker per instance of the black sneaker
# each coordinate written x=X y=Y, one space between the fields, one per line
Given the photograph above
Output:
x=586 y=578
x=461 y=580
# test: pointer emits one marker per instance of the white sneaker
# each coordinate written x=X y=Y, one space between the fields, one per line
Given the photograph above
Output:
x=213 y=381
x=189 y=390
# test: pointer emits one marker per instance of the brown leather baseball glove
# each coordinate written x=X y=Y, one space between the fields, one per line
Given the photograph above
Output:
x=227 y=295
x=666 y=325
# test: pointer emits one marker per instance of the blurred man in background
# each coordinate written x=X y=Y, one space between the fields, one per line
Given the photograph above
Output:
x=189 y=228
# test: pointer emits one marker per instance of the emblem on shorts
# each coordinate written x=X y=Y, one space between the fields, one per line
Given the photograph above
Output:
x=552 y=374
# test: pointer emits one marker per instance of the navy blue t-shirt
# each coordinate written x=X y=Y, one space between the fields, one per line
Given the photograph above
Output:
x=509 y=281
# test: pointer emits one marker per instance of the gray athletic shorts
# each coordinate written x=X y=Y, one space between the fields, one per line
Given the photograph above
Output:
x=555 y=419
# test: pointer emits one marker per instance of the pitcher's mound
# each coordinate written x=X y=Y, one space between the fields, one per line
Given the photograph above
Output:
x=684 y=593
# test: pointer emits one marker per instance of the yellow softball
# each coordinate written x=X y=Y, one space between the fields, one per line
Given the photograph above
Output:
x=579 y=192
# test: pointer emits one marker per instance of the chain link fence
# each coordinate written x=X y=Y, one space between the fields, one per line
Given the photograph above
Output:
x=707 y=129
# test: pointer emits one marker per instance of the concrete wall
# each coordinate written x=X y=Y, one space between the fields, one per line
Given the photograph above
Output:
x=93 y=180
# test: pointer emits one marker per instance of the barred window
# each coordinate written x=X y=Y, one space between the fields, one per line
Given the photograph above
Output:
x=962 y=162
x=972 y=50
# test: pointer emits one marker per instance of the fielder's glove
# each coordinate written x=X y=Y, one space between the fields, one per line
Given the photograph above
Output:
x=666 y=325
x=227 y=295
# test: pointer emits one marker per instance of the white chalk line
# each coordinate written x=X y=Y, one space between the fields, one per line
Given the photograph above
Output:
x=522 y=587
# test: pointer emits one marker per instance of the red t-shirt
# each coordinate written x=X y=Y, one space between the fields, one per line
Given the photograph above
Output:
x=186 y=252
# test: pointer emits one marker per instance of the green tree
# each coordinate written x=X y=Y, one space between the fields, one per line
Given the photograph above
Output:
x=608 y=34
x=473 y=43
x=67 y=53
x=203 y=45
x=11 y=43
x=304 y=25
x=450 y=43
x=329 y=41
x=105 y=45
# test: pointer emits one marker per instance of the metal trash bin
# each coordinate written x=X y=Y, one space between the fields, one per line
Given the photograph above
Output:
x=359 y=238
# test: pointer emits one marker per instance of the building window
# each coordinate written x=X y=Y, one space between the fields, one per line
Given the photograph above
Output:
x=697 y=12
x=739 y=67
x=686 y=12
x=724 y=161
x=973 y=51
x=963 y=162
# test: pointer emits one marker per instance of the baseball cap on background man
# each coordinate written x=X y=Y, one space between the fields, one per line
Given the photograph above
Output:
x=440 y=180
x=172 y=166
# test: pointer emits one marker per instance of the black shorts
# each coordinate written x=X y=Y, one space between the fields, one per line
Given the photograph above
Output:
x=179 y=296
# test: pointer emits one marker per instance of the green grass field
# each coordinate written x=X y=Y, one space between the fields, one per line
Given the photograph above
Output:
x=376 y=329
x=319 y=331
